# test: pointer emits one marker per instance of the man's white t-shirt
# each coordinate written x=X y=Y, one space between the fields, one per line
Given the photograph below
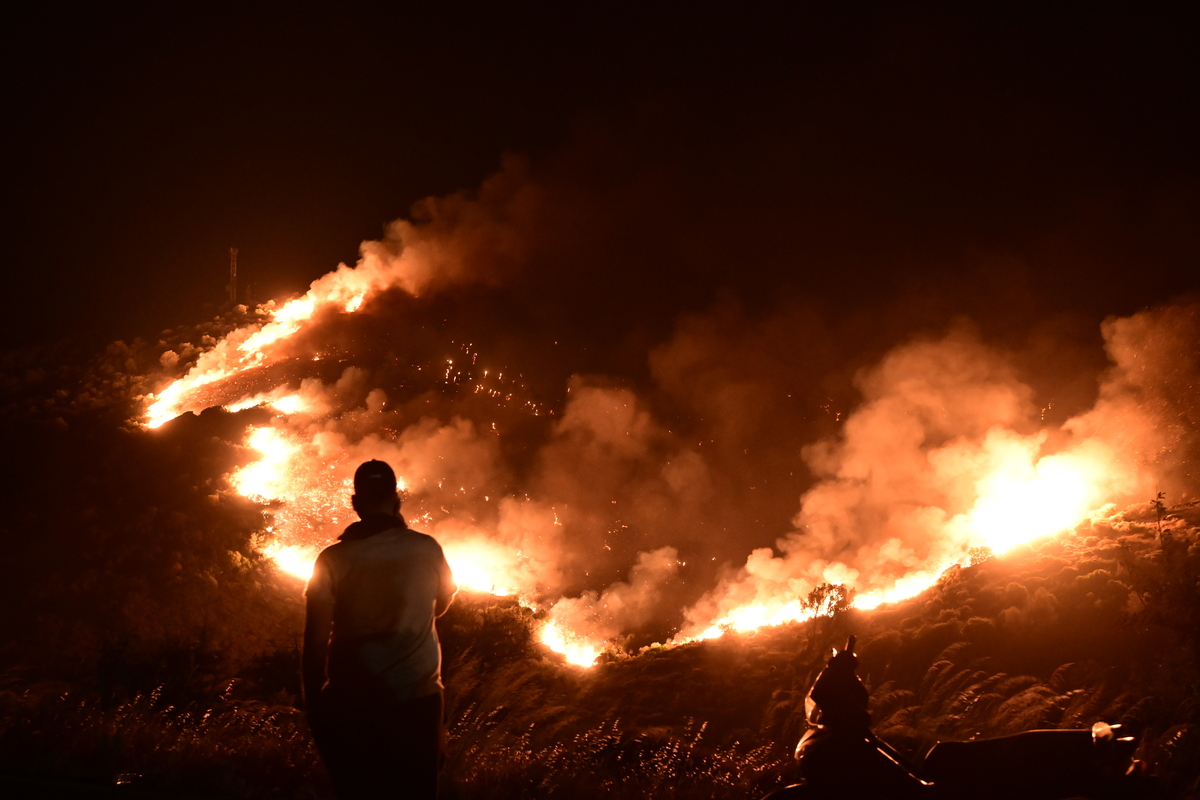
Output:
x=384 y=590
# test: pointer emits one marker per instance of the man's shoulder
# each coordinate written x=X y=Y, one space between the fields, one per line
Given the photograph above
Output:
x=414 y=538
x=398 y=537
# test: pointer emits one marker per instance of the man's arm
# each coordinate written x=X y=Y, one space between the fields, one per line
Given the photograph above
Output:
x=318 y=624
x=447 y=588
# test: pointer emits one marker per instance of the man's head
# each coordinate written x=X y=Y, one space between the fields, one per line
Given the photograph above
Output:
x=375 y=489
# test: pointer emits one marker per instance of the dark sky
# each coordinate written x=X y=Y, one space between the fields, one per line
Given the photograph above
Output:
x=889 y=149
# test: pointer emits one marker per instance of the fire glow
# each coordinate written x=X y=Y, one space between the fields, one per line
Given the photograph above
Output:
x=1020 y=501
x=1017 y=504
x=889 y=513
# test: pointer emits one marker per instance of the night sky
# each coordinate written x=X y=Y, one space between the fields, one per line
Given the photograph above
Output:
x=1006 y=161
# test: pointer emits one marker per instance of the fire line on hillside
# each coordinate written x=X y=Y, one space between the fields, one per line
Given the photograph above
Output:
x=938 y=463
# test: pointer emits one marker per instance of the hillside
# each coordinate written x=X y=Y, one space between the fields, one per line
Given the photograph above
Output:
x=150 y=642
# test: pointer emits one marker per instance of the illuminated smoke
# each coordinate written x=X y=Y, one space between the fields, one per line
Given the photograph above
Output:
x=615 y=510
x=945 y=455
x=607 y=615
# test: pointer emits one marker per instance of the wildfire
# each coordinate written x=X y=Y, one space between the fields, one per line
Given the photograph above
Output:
x=287 y=320
x=290 y=404
x=747 y=618
x=247 y=348
x=478 y=567
x=1014 y=495
x=1019 y=500
x=909 y=586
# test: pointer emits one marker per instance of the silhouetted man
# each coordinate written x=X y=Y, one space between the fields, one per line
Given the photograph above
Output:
x=372 y=663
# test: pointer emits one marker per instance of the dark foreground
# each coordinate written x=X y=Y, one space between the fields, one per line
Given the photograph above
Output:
x=1099 y=624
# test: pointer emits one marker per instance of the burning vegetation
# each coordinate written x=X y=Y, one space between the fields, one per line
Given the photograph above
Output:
x=656 y=561
x=598 y=507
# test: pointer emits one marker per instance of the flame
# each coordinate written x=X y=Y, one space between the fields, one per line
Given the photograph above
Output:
x=264 y=479
x=295 y=560
x=248 y=347
x=470 y=571
x=167 y=404
x=478 y=567
x=287 y=320
x=574 y=648
x=753 y=616
x=1021 y=499
x=290 y=404
x=910 y=585
x=1020 y=502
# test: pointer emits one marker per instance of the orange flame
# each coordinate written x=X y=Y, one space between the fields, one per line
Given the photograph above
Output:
x=478 y=567
x=573 y=647
x=1019 y=500
x=263 y=479
x=295 y=560
x=247 y=347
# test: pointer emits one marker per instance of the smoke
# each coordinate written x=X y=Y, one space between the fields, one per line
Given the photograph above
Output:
x=618 y=466
x=920 y=468
x=625 y=605
x=1148 y=412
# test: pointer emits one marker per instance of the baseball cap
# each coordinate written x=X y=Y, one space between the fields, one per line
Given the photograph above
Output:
x=374 y=479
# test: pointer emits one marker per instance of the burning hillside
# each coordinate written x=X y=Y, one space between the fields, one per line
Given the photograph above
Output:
x=714 y=495
x=159 y=569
